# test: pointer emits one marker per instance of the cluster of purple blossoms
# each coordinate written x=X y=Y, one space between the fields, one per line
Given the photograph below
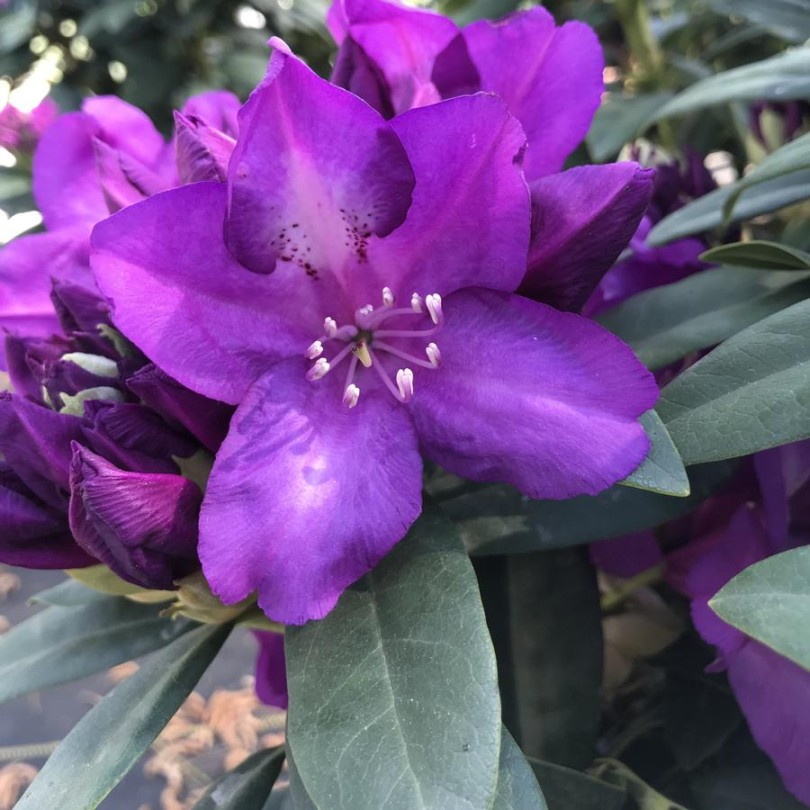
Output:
x=370 y=274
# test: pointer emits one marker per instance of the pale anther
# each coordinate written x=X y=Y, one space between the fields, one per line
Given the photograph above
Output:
x=330 y=327
x=387 y=297
x=320 y=369
x=366 y=310
x=433 y=354
x=416 y=303
x=433 y=302
x=315 y=350
x=405 y=384
x=351 y=395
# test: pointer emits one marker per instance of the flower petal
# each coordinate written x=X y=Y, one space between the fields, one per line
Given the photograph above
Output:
x=306 y=496
x=217 y=108
x=469 y=221
x=314 y=174
x=180 y=296
x=402 y=42
x=545 y=400
x=203 y=152
x=549 y=77
x=142 y=526
x=271 y=672
x=582 y=220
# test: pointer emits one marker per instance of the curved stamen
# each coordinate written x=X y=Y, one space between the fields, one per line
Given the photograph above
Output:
x=407 y=332
x=433 y=303
x=388 y=297
x=315 y=350
x=405 y=384
x=351 y=395
x=320 y=369
x=330 y=327
x=375 y=364
x=387 y=347
x=433 y=354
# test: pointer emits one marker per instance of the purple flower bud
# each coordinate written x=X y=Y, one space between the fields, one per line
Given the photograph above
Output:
x=271 y=673
x=203 y=152
x=142 y=526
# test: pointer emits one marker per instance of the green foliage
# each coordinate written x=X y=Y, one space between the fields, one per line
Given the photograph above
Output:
x=247 y=786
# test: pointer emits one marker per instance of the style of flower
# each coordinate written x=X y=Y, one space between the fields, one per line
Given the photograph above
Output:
x=359 y=310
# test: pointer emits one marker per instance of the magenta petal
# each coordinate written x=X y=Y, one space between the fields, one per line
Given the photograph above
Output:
x=545 y=400
x=142 y=526
x=203 y=152
x=314 y=174
x=180 y=296
x=66 y=184
x=469 y=221
x=582 y=220
x=306 y=496
x=550 y=78
x=217 y=108
x=356 y=72
x=271 y=671
x=402 y=42
x=124 y=181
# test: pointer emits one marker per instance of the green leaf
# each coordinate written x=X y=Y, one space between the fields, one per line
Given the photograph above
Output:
x=497 y=519
x=667 y=323
x=17 y=27
x=62 y=644
x=759 y=254
x=394 y=695
x=112 y=736
x=790 y=158
x=69 y=594
x=770 y=601
x=646 y=798
x=247 y=786
x=567 y=789
x=517 y=785
x=751 y=393
x=783 y=77
x=662 y=471
x=707 y=212
x=619 y=120
x=787 y=19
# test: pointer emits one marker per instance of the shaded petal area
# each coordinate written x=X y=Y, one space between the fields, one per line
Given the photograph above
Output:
x=271 y=671
x=545 y=400
x=217 y=108
x=203 y=152
x=307 y=496
x=582 y=219
x=402 y=42
x=126 y=128
x=142 y=526
x=338 y=174
x=469 y=221
x=123 y=179
x=549 y=77
x=356 y=72
x=182 y=298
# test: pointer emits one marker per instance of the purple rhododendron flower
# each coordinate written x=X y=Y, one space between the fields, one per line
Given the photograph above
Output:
x=20 y=130
x=87 y=165
x=397 y=58
x=361 y=309
x=271 y=671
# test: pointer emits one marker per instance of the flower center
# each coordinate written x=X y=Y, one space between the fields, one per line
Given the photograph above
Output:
x=366 y=340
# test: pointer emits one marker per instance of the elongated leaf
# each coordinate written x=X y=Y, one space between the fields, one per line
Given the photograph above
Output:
x=394 y=696
x=662 y=471
x=759 y=254
x=69 y=594
x=517 y=784
x=113 y=735
x=780 y=78
x=62 y=644
x=567 y=789
x=619 y=120
x=788 y=19
x=706 y=213
x=667 y=323
x=646 y=797
x=770 y=601
x=497 y=519
x=749 y=394
x=792 y=157
x=247 y=786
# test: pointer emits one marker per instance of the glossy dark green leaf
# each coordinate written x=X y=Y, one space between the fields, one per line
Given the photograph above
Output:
x=751 y=393
x=782 y=77
x=770 y=601
x=787 y=19
x=759 y=254
x=662 y=471
x=567 y=789
x=707 y=212
x=667 y=323
x=497 y=519
x=517 y=784
x=394 y=696
x=619 y=120
x=69 y=593
x=247 y=786
x=62 y=644
x=113 y=735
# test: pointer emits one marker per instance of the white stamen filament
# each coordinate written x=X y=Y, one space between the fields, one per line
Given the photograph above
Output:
x=416 y=303
x=315 y=350
x=351 y=395
x=433 y=302
x=405 y=384
x=433 y=354
x=330 y=327
x=320 y=369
